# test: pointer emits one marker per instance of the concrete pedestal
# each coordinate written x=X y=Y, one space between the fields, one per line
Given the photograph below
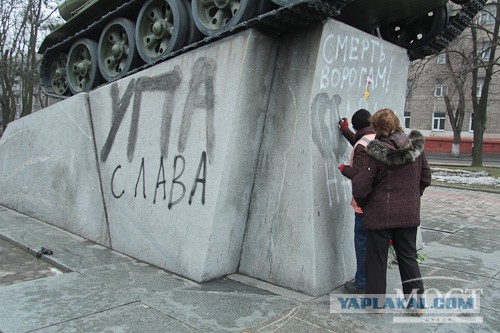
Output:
x=48 y=169
x=178 y=145
x=300 y=227
x=220 y=158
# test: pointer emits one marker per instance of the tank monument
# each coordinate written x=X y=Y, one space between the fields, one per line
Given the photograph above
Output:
x=201 y=137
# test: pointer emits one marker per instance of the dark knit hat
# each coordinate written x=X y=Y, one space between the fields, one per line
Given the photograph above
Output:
x=360 y=119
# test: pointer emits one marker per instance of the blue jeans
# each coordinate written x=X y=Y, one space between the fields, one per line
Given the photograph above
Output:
x=360 y=247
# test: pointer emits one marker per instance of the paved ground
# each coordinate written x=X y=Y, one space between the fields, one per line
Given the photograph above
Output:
x=17 y=265
x=104 y=291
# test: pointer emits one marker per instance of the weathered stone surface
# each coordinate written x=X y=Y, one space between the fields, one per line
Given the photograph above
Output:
x=220 y=158
x=48 y=169
x=178 y=144
x=300 y=228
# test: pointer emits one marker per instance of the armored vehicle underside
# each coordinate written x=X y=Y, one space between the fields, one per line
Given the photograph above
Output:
x=92 y=48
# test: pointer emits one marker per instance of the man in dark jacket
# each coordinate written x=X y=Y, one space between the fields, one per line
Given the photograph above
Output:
x=360 y=139
x=388 y=186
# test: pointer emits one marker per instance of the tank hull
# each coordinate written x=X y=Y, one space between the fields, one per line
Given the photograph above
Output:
x=384 y=18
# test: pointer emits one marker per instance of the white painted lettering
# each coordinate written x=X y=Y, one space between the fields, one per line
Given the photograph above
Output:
x=375 y=45
x=353 y=55
x=381 y=74
x=325 y=54
x=362 y=76
x=365 y=48
x=345 y=63
x=345 y=76
x=324 y=82
x=341 y=46
x=335 y=77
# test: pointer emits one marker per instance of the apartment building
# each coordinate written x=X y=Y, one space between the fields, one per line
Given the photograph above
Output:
x=429 y=81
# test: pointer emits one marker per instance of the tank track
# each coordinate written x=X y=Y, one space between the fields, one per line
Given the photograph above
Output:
x=455 y=27
x=283 y=19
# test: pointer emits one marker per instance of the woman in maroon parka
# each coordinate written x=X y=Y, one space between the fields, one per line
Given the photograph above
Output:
x=388 y=186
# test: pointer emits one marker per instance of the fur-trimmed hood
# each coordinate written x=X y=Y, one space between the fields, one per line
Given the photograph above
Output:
x=398 y=148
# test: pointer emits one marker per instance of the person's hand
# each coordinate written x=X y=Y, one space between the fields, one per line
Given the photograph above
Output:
x=343 y=124
x=341 y=167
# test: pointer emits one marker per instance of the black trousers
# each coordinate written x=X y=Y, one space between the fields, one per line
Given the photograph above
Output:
x=404 y=242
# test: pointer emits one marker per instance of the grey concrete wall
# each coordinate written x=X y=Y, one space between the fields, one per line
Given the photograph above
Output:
x=300 y=227
x=48 y=169
x=178 y=145
x=221 y=159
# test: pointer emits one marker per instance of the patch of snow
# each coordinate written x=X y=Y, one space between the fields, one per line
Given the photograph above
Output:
x=464 y=177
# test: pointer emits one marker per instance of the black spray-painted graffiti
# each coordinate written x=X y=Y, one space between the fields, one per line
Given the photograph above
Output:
x=179 y=165
x=200 y=96
x=332 y=147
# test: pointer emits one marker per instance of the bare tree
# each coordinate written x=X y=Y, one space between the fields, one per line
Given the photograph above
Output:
x=455 y=106
x=457 y=60
x=471 y=62
x=20 y=24
x=485 y=64
x=424 y=71
x=8 y=46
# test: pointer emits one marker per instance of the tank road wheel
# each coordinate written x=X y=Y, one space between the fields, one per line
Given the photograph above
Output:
x=161 y=28
x=416 y=32
x=194 y=33
x=82 y=71
x=117 y=52
x=58 y=74
x=215 y=16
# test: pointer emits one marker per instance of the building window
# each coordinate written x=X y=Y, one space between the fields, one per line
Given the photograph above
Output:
x=407 y=119
x=479 y=87
x=440 y=89
x=471 y=122
x=438 y=121
x=484 y=50
x=487 y=15
x=441 y=58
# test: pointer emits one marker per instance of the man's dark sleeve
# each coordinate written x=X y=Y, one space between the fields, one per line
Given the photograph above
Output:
x=350 y=136
x=351 y=170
